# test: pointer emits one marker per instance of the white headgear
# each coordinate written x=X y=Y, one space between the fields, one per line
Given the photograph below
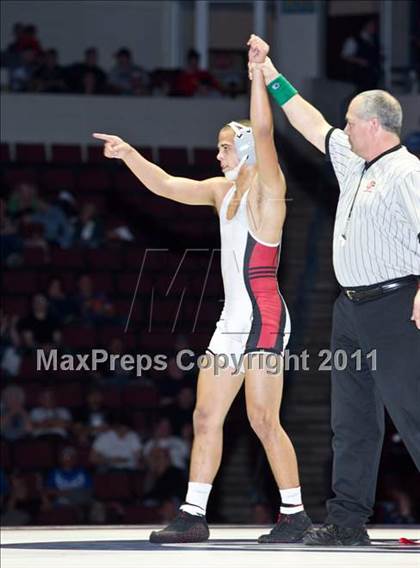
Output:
x=245 y=148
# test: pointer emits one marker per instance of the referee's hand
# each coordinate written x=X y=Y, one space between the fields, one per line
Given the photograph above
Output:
x=415 y=316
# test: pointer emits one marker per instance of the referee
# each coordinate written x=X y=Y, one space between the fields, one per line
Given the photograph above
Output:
x=376 y=256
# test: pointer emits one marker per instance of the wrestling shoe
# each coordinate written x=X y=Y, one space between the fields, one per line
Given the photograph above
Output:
x=184 y=528
x=333 y=535
x=289 y=528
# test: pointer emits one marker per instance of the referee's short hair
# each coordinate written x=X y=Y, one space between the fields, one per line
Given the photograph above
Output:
x=383 y=106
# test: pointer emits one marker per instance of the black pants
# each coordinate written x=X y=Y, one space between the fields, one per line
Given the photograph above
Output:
x=359 y=394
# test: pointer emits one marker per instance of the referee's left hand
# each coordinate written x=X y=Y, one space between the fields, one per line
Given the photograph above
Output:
x=415 y=317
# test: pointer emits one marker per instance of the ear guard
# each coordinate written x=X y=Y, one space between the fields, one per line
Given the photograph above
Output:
x=244 y=143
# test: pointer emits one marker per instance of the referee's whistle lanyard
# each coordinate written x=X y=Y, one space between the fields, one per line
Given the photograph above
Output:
x=346 y=226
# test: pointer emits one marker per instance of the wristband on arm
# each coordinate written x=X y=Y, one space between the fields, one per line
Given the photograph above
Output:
x=281 y=90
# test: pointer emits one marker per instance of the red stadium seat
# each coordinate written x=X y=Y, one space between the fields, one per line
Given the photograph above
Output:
x=71 y=258
x=15 y=305
x=112 y=398
x=4 y=152
x=126 y=181
x=112 y=486
x=20 y=175
x=140 y=397
x=58 y=517
x=100 y=259
x=80 y=337
x=95 y=154
x=173 y=157
x=204 y=156
x=33 y=455
x=20 y=282
x=66 y=153
x=93 y=179
x=30 y=153
x=58 y=180
x=5 y=455
x=34 y=256
x=139 y=514
x=70 y=395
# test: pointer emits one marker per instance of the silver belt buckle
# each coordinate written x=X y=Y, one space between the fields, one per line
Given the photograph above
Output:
x=350 y=294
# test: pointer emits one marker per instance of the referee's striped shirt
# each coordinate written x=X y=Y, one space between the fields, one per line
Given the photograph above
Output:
x=380 y=239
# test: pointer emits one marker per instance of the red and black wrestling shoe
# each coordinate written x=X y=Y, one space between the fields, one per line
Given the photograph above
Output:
x=184 y=528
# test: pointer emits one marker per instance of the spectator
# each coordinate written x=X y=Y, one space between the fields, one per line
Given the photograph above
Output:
x=189 y=80
x=61 y=307
x=67 y=485
x=11 y=55
x=15 y=498
x=10 y=354
x=22 y=74
x=117 y=375
x=163 y=438
x=92 y=420
x=58 y=230
x=29 y=40
x=23 y=201
x=11 y=241
x=93 y=307
x=163 y=481
x=117 y=448
x=127 y=77
x=48 y=419
x=173 y=381
x=87 y=77
x=361 y=54
x=181 y=411
x=49 y=77
x=15 y=420
x=39 y=327
x=89 y=230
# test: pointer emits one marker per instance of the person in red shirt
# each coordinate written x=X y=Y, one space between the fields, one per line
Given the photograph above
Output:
x=188 y=82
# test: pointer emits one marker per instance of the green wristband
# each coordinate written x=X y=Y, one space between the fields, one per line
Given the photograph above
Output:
x=281 y=90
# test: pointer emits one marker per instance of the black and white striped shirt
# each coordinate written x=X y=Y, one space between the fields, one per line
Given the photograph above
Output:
x=377 y=224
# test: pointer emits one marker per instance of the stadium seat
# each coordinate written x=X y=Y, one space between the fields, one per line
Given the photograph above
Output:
x=112 y=486
x=93 y=179
x=100 y=259
x=34 y=454
x=19 y=175
x=34 y=256
x=30 y=153
x=146 y=152
x=71 y=258
x=204 y=156
x=4 y=152
x=66 y=153
x=58 y=517
x=139 y=514
x=20 y=282
x=79 y=337
x=6 y=462
x=55 y=179
x=125 y=181
x=172 y=157
x=70 y=395
x=15 y=305
x=95 y=154
x=140 y=397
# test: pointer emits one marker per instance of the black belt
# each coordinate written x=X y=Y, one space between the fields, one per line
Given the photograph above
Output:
x=377 y=290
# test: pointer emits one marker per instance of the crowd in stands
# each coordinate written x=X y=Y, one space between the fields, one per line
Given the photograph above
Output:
x=31 y=68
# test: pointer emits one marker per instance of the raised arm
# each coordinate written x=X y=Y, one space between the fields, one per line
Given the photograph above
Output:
x=304 y=117
x=270 y=176
x=183 y=190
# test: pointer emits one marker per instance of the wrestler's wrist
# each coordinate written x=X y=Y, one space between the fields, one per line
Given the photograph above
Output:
x=270 y=72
